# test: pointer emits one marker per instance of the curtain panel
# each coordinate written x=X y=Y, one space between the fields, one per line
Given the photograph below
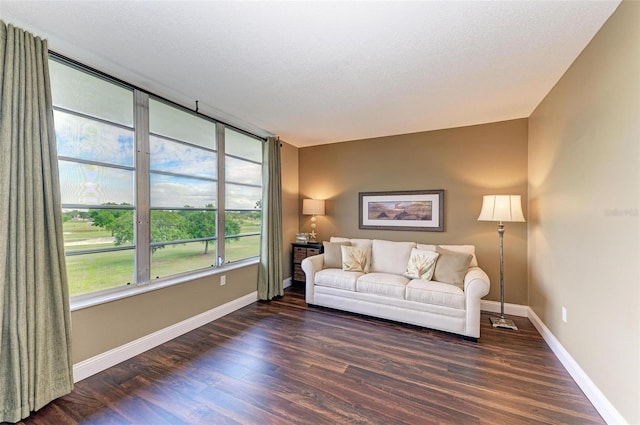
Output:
x=35 y=351
x=270 y=268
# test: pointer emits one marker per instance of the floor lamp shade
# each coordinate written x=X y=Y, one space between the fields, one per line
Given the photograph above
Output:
x=313 y=207
x=501 y=208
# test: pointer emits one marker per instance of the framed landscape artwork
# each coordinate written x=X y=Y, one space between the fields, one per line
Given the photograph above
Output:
x=421 y=210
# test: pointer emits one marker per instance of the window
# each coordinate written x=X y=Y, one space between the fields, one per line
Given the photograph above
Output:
x=243 y=195
x=132 y=217
x=95 y=138
x=183 y=190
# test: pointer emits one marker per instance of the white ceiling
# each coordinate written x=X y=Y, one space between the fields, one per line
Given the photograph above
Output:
x=323 y=72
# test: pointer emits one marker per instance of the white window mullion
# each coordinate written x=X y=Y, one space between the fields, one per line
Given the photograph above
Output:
x=142 y=226
x=221 y=193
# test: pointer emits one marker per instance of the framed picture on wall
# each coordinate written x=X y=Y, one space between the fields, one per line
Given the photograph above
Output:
x=421 y=210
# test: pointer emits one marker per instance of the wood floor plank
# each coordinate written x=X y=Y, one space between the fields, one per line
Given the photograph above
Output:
x=284 y=362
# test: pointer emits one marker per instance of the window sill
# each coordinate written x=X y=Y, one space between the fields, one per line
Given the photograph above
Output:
x=80 y=302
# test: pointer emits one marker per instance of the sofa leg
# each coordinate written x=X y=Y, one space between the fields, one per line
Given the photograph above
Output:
x=470 y=338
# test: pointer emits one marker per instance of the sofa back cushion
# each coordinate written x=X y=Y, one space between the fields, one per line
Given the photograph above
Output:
x=422 y=264
x=464 y=249
x=451 y=267
x=390 y=257
x=355 y=259
x=333 y=254
x=360 y=243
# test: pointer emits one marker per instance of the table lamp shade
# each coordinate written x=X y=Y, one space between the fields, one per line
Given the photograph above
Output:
x=503 y=208
x=312 y=207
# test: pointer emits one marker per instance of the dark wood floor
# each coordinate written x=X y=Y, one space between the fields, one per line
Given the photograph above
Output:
x=284 y=363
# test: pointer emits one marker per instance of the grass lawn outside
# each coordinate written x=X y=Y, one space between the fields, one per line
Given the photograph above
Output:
x=94 y=272
x=75 y=231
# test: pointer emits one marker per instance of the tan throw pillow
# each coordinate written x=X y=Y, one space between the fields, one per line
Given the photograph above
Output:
x=421 y=264
x=451 y=267
x=354 y=259
x=333 y=254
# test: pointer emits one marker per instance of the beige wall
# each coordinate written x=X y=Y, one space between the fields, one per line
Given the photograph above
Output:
x=466 y=162
x=106 y=326
x=584 y=227
x=289 y=159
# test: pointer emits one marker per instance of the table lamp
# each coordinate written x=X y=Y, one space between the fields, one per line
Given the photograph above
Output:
x=313 y=207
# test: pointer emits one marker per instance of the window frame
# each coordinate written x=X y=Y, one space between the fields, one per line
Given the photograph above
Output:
x=142 y=208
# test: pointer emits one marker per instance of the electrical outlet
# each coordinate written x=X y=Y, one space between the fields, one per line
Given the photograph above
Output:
x=223 y=280
x=564 y=314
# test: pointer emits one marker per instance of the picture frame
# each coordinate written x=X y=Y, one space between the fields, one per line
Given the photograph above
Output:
x=302 y=237
x=414 y=210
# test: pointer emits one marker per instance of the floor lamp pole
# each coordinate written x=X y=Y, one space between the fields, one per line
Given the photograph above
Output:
x=501 y=322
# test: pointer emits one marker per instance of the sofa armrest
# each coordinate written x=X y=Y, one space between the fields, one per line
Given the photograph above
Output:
x=476 y=283
x=310 y=266
x=476 y=286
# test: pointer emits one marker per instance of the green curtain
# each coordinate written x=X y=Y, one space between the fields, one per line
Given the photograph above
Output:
x=270 y=270
x=35 y=352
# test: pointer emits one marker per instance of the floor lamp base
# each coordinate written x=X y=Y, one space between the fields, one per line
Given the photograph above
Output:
x=499 y=322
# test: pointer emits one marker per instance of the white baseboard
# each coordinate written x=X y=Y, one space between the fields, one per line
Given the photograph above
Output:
x=608 y=412
x=286 y=283
x=513 y=309
x=103 y=361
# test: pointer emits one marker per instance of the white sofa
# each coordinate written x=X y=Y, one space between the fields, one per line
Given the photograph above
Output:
x=383 y=290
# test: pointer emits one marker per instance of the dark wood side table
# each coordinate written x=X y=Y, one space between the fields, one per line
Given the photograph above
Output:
x=300 y=251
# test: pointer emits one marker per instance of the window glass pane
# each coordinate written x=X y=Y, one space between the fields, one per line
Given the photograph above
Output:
x=178 y=192
x=239 y=171
x=242 y=197
x=168 y=225
x=93 y=140
x=87 y=232
x=242 y=222
x=166 y=120
x=179 y=258
x=94 y=185
x=85 y=93
x=199 y=224
x=241 y=247
x=97 y=228
x=174 y=157
x=241 y=145
x=94 y=272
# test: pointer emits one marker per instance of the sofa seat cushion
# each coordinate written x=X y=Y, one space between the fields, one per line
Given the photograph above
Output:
x=433 y=292
x=337 y=278
x=386 y=285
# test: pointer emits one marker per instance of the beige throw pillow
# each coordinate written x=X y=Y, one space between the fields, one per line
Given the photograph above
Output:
x=354 y=259
x=451 y=267
x=333 y=254
x=422 y=264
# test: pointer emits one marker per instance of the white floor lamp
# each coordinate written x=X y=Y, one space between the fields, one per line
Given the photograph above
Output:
x=501 y=208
